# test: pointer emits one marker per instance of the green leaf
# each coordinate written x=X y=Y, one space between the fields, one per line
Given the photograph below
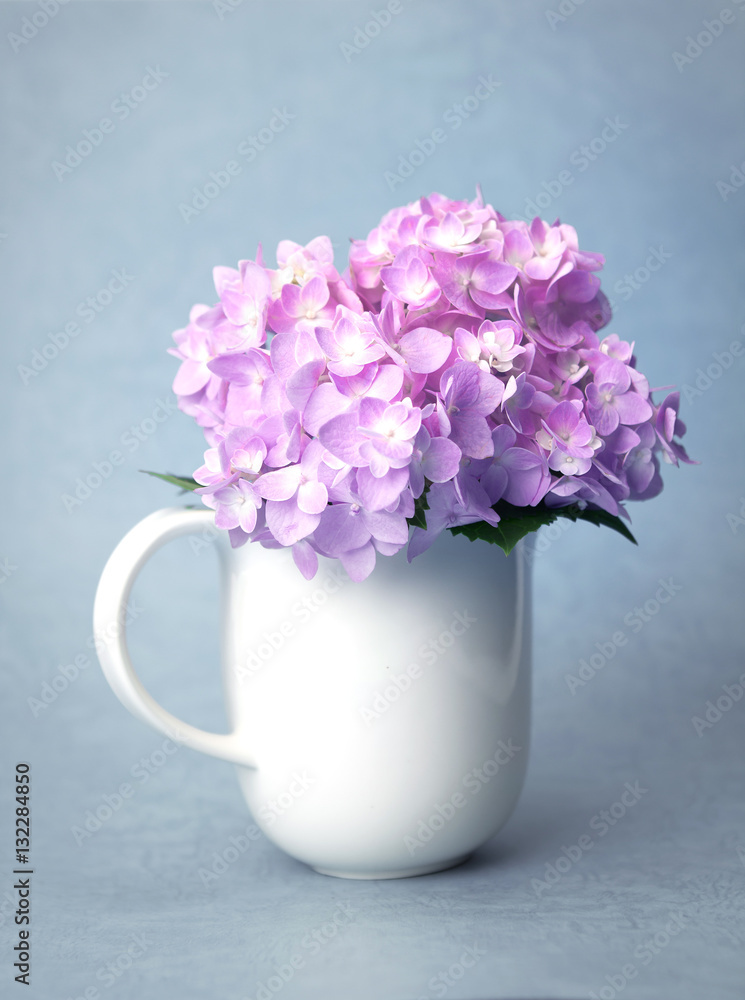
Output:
x=516 y=522
x=186 y=483
x=597 y=517
x=418 y=518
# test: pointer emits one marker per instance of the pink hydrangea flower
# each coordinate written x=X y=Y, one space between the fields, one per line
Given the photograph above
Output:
x=455 y=364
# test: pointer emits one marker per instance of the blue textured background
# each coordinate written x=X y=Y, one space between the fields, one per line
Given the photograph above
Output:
x=682 y=848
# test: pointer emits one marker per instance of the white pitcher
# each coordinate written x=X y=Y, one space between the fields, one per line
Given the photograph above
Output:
x=379 y=729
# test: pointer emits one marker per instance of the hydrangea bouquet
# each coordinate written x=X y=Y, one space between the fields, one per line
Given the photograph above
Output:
x=453 y=377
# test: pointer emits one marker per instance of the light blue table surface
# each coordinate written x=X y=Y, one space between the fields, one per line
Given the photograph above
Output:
x=218 y=74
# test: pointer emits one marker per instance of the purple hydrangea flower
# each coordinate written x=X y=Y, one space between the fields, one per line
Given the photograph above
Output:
x=610 y=402
x=456 y=362
x=468 y=397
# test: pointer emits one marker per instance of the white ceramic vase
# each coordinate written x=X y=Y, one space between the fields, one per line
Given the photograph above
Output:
x=380 y=729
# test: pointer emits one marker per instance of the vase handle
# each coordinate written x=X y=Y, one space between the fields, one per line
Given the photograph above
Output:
x=109 y=631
